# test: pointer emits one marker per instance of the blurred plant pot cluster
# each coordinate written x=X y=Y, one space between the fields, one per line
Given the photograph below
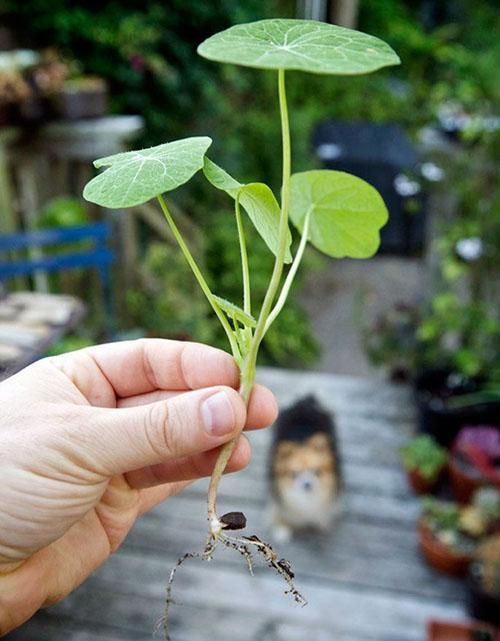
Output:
x=37 y=87
x=461 y=536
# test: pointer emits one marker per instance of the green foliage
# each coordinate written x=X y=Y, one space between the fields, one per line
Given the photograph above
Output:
x=69 y=344
x=63 y=212
x=169 y=304
x=458 y=327
x=441 y=515
x=257 y=200
x=289 y=342
x=424 y=455
x=346 y=213
x=134 y=177
x=300 y=45
x=446 y=521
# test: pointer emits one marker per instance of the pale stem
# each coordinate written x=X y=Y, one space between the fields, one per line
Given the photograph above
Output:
x=199 y=277
x=285 y=290
x=250 y=359
x=247 y=304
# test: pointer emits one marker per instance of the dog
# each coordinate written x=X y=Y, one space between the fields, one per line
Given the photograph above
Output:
x=304 y=469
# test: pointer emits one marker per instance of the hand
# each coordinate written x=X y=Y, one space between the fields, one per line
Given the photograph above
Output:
x=91 y=440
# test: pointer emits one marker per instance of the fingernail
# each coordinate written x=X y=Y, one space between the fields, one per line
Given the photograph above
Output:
x=218 y=414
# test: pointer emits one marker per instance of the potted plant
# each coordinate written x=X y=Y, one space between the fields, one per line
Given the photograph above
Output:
x=82 y=97
x=424 y=461
x=446 y=539
x=475 y=461
x=484 y=581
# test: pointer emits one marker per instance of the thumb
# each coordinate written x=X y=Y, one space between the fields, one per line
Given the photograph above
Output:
x=115 y=441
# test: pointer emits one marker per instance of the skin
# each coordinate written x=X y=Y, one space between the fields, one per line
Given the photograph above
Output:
x=91 y=440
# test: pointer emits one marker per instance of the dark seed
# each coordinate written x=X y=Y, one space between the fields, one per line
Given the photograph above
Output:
x=234 y=521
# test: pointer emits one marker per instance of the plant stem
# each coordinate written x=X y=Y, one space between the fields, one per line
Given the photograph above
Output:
x=199 y=277
x=247 y=304
x=291 y=274
x=250 y=359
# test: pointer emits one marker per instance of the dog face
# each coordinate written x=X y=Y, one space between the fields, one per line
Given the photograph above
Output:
x=304 y=472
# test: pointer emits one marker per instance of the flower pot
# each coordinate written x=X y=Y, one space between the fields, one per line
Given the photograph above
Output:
x=433 y=388
x=419 y=484
x=74 y=103
x=482 y=605
x=439 y=556
x=452 y=631
x=463 y=483
x=474 y=460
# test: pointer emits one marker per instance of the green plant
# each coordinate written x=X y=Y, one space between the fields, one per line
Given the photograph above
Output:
x=445 y=521
x=487 y=565
x=339 y=214
x=425 y=456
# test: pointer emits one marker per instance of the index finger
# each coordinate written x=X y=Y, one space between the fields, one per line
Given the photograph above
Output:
x=148 y=364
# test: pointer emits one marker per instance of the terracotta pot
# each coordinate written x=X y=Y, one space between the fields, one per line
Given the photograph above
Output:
x=439 y=556
x=463 y=485
x=419 y=484
x=451 y=631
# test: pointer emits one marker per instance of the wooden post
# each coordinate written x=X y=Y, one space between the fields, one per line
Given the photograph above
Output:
x=344 y=13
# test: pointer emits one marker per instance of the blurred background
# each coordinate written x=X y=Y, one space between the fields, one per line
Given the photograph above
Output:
x=84 y=79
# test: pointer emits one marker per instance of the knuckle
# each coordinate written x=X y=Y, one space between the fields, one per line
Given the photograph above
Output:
x=159 y=429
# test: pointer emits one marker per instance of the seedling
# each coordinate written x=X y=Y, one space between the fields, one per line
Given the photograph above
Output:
x=339 y=214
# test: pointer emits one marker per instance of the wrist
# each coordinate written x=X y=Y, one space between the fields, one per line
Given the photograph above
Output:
x=22 y=593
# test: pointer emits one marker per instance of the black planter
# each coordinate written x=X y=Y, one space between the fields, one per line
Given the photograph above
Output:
x=433 y=388
x=482 y=605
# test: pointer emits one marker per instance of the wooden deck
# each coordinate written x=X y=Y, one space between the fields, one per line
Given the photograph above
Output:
x=364 y=582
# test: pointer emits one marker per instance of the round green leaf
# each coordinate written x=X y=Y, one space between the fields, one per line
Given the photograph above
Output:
x=346 y=213
x=134 y=177
x=303 y=45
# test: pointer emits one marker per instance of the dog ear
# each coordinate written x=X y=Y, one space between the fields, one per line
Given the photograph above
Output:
x=319 y=442
x=285 y=449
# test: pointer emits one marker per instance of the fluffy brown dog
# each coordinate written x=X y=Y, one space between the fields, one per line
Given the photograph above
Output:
x=304 y=469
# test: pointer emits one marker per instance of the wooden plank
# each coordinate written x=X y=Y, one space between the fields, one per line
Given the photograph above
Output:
x=354 y=552
x=344 y=609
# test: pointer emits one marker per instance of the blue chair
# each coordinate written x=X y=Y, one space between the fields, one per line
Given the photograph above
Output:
x=99 y=256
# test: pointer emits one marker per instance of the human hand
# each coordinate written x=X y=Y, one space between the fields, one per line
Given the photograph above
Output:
x=91 y=440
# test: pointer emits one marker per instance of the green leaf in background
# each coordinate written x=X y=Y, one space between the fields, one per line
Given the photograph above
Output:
x=303 y=45
x=234 y=311
x=134 y=177
x=257 y=200
x=346 y=212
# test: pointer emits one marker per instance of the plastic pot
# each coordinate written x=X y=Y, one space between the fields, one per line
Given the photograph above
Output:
x=440 y=556
x=433 y=388
x=481 y=604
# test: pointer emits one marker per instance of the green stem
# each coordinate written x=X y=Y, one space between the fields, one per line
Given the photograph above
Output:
x=247 y=304
x=199 y=277
x=285 y=290
x=250 y=359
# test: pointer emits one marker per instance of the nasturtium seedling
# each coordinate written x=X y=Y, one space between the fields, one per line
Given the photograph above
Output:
x=339 y=214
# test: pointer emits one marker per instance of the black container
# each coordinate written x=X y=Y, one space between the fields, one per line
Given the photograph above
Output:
x=382 y=155
x=433 y=388
x=481 y=605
